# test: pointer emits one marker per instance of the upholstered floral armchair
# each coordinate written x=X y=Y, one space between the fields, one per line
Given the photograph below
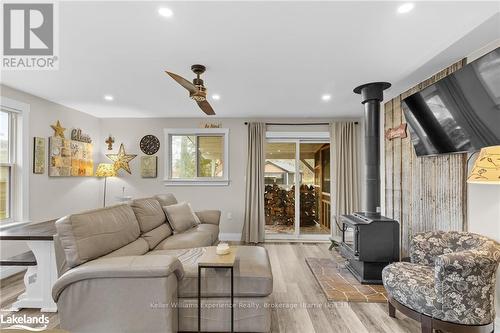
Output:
x=449 y=284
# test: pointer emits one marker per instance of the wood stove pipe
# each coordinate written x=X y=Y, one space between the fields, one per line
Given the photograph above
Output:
x=371 y=96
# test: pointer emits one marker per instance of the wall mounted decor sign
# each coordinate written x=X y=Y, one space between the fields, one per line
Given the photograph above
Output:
x=69 y=158
x=39 y=155
x=211 y=125
x=150 y=144
x=78 y=135
x=149 y=166
x=122 y=159
x=397 y=132
x=109 y=141
x=58 y=130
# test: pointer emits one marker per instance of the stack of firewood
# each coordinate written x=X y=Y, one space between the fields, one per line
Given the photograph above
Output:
x=307 y=206
x=280 y=205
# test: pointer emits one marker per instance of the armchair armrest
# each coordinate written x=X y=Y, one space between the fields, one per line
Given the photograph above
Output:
x=209 y=216
x=465 y=284
x=120 y=267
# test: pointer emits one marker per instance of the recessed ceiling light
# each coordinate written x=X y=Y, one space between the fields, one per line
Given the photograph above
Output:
x=165 y=12
x=326 y=97
x=108 y=97
x=406 y=7
x=215 y=97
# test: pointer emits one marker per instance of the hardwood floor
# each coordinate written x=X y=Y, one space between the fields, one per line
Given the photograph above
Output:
x=295 y=284
x=10 y=289
x=300 y=305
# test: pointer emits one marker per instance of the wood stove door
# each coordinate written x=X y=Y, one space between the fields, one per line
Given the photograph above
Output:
x=350 y=237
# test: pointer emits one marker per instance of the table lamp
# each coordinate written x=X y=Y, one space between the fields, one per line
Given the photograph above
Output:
x=105 y=170
x=486 y=169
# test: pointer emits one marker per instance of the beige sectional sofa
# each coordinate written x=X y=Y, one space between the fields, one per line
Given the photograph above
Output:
x=123 y=269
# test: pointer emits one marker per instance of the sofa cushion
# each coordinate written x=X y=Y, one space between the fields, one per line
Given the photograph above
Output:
x=412 y=285
x=166 y=199
x=136 y=248
x=212 y=229
x=188 y=239
x=209 y=216
x=149 y=213
x=95 y=233
x=252 y=273
x=155 y=236
x=181 y=217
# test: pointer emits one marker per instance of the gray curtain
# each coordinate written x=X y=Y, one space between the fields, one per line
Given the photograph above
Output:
x=345 y=168
x=253 y=228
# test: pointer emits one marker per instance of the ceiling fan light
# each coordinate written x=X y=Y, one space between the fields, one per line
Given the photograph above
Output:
x=406 y=8
x=199 y=98
x=165 y=12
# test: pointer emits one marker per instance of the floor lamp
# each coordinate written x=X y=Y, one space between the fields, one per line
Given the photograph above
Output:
x=105 y=170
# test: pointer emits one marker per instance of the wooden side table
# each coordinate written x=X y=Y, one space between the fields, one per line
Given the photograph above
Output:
x=38 y=279
x=212 y=260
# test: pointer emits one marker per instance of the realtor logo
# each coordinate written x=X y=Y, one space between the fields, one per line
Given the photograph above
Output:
x=29 y=36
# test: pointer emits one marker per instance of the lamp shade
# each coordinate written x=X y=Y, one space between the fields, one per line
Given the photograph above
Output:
x=486 y=169
x=105 y=170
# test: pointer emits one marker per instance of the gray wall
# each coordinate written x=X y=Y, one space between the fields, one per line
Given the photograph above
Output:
x=229 y=199
x=53 y=197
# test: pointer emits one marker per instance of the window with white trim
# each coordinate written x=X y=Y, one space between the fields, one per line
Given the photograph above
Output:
x=14 y=159
x=7 y=163
x=197 y=156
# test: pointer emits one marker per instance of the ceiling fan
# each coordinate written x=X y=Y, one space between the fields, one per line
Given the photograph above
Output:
x=197 y=90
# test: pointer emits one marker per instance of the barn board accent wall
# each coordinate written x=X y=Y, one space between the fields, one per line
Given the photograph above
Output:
x=422 y=193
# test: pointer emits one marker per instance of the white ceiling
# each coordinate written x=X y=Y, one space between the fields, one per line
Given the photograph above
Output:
x=265 y=59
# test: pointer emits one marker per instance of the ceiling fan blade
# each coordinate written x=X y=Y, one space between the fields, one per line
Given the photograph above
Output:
x=183 y=82
x=206 y=107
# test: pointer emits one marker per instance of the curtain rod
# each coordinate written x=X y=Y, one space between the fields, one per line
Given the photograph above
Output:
x=279 y=124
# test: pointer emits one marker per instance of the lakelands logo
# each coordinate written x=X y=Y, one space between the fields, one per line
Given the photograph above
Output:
x=30 y=36
x=21 y=322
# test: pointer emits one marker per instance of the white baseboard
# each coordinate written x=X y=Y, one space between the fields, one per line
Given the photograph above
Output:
x=9 y=271
x=230 y=237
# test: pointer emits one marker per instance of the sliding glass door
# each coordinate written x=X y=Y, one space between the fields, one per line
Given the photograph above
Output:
x=297 y=188
x=314 y=168
x=279 y=179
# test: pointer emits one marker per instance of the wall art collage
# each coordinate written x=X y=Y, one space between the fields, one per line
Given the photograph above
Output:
x=70 y=158
x=74 y=157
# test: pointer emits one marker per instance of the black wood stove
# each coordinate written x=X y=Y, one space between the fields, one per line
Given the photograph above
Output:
x=370 y=241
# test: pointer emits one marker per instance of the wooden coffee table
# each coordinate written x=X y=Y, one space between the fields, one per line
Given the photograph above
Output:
x=210 y=259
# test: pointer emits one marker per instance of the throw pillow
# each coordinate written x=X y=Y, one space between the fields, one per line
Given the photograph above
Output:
x=181 y=217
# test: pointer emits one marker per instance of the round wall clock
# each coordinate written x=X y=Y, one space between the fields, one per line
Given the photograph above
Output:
x=150 y=144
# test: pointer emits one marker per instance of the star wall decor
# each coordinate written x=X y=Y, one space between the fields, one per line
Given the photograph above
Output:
x=121 y=159
x=58 y=129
